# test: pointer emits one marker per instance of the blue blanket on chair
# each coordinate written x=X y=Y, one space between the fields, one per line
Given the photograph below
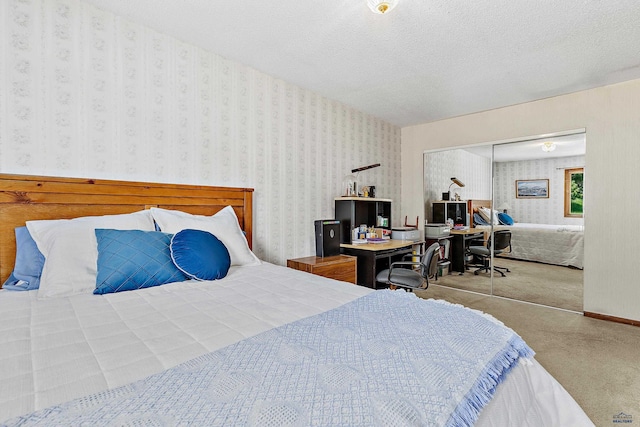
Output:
x=387 y=358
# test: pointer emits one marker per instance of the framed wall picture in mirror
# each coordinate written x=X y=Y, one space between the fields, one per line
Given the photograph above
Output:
x=532 y=188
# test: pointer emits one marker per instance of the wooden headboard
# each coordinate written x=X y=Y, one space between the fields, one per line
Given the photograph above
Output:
x=473 y=205
x=24 y=198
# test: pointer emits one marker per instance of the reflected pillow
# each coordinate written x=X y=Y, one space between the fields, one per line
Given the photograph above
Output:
x=479 y=220
x=200 y=255
x=70 y=250
x=28 y=266
x=133 y=259
x=224 y=225
x=505 y=219
x=485 y=213
x=490 y=216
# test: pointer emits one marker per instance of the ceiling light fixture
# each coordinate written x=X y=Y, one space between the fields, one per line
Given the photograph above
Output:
x=548 y=146
x=381 y=6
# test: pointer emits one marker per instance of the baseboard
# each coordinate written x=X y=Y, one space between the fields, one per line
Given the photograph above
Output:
x=612 y=318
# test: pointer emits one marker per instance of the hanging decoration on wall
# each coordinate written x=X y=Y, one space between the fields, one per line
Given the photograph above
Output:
x=350 y=185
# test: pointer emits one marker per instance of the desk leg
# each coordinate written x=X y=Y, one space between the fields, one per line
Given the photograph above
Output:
x=457 y=254
x=366 y=269
x=370 y=263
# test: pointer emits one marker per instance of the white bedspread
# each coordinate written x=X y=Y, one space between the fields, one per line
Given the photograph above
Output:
x=551 y=244
x=58 y=349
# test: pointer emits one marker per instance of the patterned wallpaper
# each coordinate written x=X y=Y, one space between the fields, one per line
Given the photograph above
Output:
x=537 y=211
x=85 y=93
x=472 y=170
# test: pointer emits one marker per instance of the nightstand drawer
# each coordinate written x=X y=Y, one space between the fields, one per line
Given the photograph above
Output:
x=344 y=271
x=340 y=267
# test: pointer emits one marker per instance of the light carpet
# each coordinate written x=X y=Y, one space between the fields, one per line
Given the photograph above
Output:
x=551 y=285
x=595 y=360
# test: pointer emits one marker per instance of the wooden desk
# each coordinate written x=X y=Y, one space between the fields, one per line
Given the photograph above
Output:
x=461 y=239
x=375 y=257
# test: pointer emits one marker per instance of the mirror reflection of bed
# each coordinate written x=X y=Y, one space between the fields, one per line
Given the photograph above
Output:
x=546 y=261
x=546 y=257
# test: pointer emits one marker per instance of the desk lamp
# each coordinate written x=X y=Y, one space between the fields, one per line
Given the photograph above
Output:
x=456 y=181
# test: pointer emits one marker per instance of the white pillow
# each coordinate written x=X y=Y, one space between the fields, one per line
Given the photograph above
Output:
x=496 y=220
x=487 y=214
x=224 y=225
x=70 y=249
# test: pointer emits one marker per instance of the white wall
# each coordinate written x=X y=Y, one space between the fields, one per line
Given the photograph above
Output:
x=612 y=122
x=84 y=93
x=537 y=211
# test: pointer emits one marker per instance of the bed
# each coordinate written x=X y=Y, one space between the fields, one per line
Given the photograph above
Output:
x=263 y=345
x=550 y=244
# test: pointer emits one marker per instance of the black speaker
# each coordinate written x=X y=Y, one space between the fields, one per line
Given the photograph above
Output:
x=327 y=237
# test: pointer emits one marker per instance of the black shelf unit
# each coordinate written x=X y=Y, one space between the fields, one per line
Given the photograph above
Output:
x=355 y=211
x=444 y=210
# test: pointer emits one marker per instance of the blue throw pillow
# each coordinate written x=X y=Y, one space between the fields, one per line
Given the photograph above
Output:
x=505 y=219
x=200 y=255
x=29 y=262
x=133 y=259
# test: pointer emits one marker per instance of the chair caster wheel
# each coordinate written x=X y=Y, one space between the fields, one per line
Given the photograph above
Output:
x=475 y=273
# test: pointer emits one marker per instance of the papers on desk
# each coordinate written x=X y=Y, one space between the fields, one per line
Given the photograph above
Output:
x=370 y=240
x=377 y=240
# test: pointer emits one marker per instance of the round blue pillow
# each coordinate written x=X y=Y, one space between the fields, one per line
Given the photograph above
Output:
x=200 y=255
x=505 y=219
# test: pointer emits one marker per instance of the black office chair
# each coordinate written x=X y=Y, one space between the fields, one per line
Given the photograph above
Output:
x=502 y=241
x=399 y=276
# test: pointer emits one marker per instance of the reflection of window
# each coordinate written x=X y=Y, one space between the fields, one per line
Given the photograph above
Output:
x=573 y=192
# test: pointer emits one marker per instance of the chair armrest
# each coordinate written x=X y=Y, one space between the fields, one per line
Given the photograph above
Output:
x=405 y=263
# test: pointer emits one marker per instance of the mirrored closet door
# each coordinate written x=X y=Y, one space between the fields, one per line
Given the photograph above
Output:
x=538 y=195
x=471 y=169
x=529 y=193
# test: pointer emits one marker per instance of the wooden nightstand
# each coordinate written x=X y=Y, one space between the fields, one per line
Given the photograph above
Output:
x=339 y=267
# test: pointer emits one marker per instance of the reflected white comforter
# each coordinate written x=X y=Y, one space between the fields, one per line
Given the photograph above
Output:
x=551 y=244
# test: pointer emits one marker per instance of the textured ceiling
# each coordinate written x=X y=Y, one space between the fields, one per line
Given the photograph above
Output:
x=426 y=60
x=566 y=146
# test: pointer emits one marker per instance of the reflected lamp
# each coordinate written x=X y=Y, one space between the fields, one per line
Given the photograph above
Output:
x=454 y=181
